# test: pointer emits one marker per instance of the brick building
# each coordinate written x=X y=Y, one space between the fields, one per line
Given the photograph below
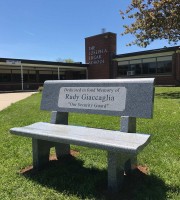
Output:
x=162 y=64
x=103 y=62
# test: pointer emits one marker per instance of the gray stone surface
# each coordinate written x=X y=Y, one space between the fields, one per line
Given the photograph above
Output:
x=60 y=118
x=129 y=98
x=41 y=150
x=128 y=125
x=116 y=168
x=98 y=138
x=134 y=97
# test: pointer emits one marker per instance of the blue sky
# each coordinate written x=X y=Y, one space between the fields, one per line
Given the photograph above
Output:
x=53 y=29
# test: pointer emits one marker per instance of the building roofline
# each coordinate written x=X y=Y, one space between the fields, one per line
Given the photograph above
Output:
x=106 y=33
x=41 y=62
x=166 y=49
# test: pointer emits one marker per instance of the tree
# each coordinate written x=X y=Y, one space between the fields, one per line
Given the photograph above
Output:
x=153 y=19
x=67 y=60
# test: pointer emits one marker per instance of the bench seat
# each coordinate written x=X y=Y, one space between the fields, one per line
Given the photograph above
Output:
x=126 y=98
x=90 y=137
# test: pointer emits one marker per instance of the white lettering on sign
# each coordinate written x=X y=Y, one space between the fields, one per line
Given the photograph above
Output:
x=96 y=56
x=14 y=62
x=95 y=98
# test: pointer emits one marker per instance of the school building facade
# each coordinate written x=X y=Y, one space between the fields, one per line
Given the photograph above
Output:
x=20 y=74
x=102 y=62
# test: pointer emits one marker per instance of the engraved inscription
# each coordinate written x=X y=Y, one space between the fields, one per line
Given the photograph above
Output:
x=95 y=98
x=96 y=56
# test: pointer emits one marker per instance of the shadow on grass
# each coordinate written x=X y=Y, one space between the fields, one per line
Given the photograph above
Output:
x=169 y=95
x=70 y=177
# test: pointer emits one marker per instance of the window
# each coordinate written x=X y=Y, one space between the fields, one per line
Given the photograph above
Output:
x=25 y=76
x=45 y=75
x=144 y=66
x=164 y=64
x=5 y=75
x=32 y=76
x=135 y=67
x=16 y=76
x=123 y=68
x=55 y=75
x=149 y=66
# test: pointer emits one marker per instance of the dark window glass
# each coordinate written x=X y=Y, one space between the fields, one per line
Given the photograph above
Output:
x=164 y=67
x=32 y=77
x=16 y=76
x=62 y=77
x=135 y=69
x=44 y=77
x=25 y=78
x=122 y=70
x=55 y=76
x=149 y=68
x=5 y=77
x=152 y=68
x=79 y=75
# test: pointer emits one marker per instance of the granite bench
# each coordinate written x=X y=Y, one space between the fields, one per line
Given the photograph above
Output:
x=128 y=98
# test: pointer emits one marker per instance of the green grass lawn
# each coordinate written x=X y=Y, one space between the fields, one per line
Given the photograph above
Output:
x=85 y=176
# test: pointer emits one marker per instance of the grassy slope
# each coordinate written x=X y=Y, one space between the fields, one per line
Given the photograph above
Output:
x=85 y=176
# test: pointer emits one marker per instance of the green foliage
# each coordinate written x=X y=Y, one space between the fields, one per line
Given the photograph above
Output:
x=40 y=89
x=67 y=60
x=85 y=176
x=153 y=19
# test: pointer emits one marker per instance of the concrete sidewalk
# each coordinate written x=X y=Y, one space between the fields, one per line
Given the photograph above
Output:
x=6 y=99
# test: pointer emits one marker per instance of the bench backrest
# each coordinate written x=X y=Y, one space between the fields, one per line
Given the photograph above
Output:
x=125 y=97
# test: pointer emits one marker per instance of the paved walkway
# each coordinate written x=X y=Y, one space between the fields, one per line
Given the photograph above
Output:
x=6 y=99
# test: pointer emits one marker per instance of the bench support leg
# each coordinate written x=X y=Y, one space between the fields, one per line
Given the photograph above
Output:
x=130 y=164
x=41 y=150
x=60 y=118
x=116 y=163
x=62 y=150
x=128 y=125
